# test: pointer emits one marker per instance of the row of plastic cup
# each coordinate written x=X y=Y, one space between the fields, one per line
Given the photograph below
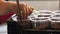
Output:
x=43 y=17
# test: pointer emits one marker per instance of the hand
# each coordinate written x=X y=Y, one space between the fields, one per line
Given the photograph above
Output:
x=26 y=10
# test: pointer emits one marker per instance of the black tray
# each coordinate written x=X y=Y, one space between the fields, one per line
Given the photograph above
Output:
x=14 y=28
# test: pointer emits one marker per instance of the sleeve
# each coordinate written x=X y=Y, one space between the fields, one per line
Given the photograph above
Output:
x=4 y=18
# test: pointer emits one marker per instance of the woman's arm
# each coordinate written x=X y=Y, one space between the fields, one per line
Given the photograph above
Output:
x=26 y=10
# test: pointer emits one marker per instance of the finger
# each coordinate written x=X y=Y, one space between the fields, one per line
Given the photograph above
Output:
x=27 y=10
x=31 y=7
x=23 y=9
x=30 y=10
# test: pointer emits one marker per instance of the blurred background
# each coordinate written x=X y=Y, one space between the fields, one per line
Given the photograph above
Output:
x=42 y=4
